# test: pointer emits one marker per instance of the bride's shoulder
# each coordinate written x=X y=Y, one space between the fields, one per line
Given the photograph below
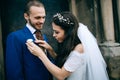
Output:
x=79 y=48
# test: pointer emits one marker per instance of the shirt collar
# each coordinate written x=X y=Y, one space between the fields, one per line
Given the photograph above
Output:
x=32 y=30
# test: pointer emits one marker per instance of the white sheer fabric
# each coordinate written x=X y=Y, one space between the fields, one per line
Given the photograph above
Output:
x=91 y=65
x=96 y=66
x=77 y=65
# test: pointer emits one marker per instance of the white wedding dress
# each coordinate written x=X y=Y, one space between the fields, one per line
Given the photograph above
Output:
x=87 y=66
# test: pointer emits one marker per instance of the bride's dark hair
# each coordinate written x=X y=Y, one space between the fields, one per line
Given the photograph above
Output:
x=68 y=22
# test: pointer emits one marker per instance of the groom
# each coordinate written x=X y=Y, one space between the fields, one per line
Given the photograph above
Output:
x=20 y=63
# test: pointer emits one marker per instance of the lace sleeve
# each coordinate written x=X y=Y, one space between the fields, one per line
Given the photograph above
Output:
x=74 y=61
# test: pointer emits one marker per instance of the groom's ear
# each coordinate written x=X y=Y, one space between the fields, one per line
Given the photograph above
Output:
x=26 y=16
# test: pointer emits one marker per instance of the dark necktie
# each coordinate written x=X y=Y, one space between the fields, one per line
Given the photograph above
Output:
x=38 y=35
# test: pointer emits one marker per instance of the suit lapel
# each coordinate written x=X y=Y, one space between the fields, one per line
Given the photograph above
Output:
x=27 y=33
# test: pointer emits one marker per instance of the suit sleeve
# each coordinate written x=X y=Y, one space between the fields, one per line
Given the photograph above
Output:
x=13 y=57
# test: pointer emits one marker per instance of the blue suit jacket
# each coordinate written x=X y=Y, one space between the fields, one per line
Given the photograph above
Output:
x=20 y=63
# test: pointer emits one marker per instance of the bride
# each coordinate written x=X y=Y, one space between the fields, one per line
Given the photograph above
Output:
x=79 y=57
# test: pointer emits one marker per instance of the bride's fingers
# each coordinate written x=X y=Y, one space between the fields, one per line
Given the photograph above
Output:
x=30 y=44
x=30 y=47
x=31 y=50
x=40 y=41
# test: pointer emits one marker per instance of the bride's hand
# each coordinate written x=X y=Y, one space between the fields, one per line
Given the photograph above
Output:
x=34 y=49
x=46 y=46
x=43 y=44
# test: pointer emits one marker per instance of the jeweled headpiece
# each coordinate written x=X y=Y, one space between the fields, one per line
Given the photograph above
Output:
x=62 y=19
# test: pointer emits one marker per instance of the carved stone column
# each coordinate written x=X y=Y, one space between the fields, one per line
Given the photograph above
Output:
x=107 y=17
x=108 y=25
x=73 y=8
x=110 y=49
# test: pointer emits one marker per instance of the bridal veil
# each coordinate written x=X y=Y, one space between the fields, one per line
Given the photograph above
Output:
x=96 y=66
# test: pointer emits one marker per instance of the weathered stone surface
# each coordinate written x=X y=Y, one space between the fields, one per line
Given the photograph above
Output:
x=114 y=67
x=111 y=53
x=110 y=49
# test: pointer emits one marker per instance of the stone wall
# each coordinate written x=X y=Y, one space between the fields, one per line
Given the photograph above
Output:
x=111 y=53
